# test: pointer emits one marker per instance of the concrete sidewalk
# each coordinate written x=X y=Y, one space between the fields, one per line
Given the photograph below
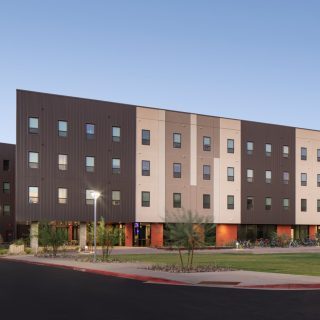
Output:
x=232 y=279
x=256 y=250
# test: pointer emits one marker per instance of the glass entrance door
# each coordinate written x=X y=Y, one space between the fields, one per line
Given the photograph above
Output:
x=141 y=234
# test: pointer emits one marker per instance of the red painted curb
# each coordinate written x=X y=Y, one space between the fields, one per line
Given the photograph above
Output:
x=285 y=286
x=105 y=273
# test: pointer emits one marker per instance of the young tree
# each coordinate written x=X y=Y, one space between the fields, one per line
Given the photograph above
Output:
x=51 y=236
x=107 y=237
x=189 y=232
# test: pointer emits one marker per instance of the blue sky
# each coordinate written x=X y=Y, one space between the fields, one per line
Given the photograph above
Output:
x=257 y=60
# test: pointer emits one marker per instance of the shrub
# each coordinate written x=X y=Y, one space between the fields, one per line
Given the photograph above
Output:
x=52 y=237
x=281 y=240
x=18 y=242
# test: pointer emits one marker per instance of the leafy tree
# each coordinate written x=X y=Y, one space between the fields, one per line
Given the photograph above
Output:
x=189 y=232
x=52 y=237
x=107 y=237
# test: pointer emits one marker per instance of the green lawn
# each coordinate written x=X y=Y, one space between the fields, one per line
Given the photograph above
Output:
x=290 y=263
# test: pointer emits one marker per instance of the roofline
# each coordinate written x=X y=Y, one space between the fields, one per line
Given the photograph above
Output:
x=169 y=110
x=10 y=144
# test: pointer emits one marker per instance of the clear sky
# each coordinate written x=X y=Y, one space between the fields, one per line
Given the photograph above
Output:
x=256 y=60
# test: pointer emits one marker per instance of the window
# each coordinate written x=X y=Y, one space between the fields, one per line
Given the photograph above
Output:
x=62 y=128
x=318 y=180
x=33 y=160
x=268 y=149
x=268 y=176
x=249 y=175
x=177 y=170
x=145 y=198
x=145 y=137
x=250 y=202
x=89 y=197
x=230 y=174
x=304 y=152
x=285 y=151
x=145 y=167
x=318 y=155
x=6 y=165
x=230 y=202
x=250 y=147
x=304 y=205
x=6 y=187
x=90 y=128
x=90 y=164
x=6 y=210
x=177 y=200
x=286 y=203
x=206 y=144
x=63 y=162
x=33 y=195
x=304 y=179
x=268 y=203
x=206 y=201
x=33 y=125
x=115 y=198
x=177 y=140
x=318 y=205
x=286 y=177
x=115 y=166
x=230 y=146
x=206 y=172
x=62 y=195
x=116 y=134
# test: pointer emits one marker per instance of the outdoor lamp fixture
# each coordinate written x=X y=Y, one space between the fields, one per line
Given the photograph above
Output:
x=95 y=196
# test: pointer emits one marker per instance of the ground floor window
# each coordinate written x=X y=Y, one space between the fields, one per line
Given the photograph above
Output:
x=253 y=231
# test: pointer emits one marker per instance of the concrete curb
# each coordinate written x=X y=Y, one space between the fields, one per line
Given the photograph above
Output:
x=157 y=280
x=105 y=273
x=287 y=286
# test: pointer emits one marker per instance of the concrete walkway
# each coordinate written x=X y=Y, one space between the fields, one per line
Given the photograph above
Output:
x=232 y=279
x=257 y=250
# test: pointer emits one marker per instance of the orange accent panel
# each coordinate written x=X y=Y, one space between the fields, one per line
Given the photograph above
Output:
x=312 y=232
x=156 y=235
x=128 y=231
x=226 y=233
x=284 y=230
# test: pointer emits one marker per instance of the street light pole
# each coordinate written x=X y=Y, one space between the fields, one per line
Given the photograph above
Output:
x=95 y=230
x=95 y=195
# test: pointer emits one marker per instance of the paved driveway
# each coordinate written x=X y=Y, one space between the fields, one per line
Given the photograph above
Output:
x=38 y=292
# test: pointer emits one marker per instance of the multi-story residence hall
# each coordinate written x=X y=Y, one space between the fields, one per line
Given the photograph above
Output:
x=248 y=178
x=7 y=191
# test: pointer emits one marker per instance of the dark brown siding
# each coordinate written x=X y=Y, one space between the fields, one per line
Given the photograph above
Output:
x=278 y=136
x=51 y=108
x=7 y=223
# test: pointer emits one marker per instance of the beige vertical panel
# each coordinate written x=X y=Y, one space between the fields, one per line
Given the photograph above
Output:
x=153 y=120
x=311 y=140
x=229 y=129
x=193 y=150
x=162 y=164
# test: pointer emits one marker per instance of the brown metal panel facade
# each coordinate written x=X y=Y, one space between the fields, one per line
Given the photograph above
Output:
x=77 y=112
x=7 y=197
x=278 y=136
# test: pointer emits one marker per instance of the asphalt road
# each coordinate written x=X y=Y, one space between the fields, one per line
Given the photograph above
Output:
x=38 y=292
